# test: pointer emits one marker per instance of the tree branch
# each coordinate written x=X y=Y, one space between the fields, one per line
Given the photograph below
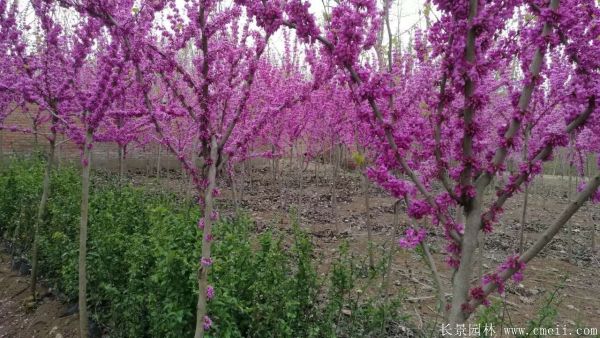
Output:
x=542 y=154
x=526 y=93
x=546 y=236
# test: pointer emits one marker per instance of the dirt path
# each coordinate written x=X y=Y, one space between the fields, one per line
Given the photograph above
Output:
x=19 y=319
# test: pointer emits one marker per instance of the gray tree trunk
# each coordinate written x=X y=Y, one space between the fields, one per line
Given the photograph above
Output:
x=206 y=241
x=368 y=221
x=83 y=234
x=40 y=215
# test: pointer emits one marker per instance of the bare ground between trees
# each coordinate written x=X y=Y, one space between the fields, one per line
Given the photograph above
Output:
x=297 y=194
x=19 y=319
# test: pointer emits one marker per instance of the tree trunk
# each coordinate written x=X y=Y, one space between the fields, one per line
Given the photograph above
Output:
x=273 y=164
x=190 y=181
x=525 y=196
x=555 y=162
x=368 y=221
x=334 y=175
x=562 y=166
x=460 y=215
x=388 y=269
x=523 y=219
x=1 y=147
x=232 y=179
x=462 y=278
x=206 y=241
x=480 y=254
x=158 y=169
x=83 y=233
x=570 y=199
x=58 y=155
x=121 y=161
x=436 y=278
x=36 y=145
x=242 y=183
x=15 y=239
x=250 y=172
x=40 y=215
x=593 y=235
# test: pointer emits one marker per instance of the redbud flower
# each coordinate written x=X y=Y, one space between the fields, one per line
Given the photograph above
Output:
x=412 y=238
x=206 y=261
x=210 y=292
x=207 y=323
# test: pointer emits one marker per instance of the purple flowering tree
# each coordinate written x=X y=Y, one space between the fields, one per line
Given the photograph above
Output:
x=456 y=134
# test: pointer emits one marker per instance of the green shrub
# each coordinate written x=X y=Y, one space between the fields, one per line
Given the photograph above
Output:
x=143 y=252
x=20 y=190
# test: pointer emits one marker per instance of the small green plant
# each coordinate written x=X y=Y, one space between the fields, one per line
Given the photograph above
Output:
x=496 y=315
x=546 y=315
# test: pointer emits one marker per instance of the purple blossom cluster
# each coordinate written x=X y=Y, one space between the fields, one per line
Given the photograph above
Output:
x=412 y=238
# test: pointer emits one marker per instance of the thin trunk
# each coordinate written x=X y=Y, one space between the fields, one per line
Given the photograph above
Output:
x=569 y=223
x=562 y=166
x=570 y=199
x=300 y=155
x=242 y=186
x=525 y=196
x=57 y=157
x=40 y=215
x=1 y=147
x=121 y=161
x=523 y=219
x=190 y=181
x=158 y=161
x=388 y=268
x=291 y=157
x=593 y=235
x=206 y=241
x=35 y=137
x=436 y=278
x=306 y=164
x=588 y=169
x=15 y=239
x=368 y=221
x=232 y=178
x=333 y=191
x=273 y=164
x=480 y=254
x=250 y=173
x=83 y=234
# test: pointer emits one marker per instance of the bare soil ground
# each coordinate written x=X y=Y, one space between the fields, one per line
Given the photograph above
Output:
x=298 y=195
x=20 y=319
